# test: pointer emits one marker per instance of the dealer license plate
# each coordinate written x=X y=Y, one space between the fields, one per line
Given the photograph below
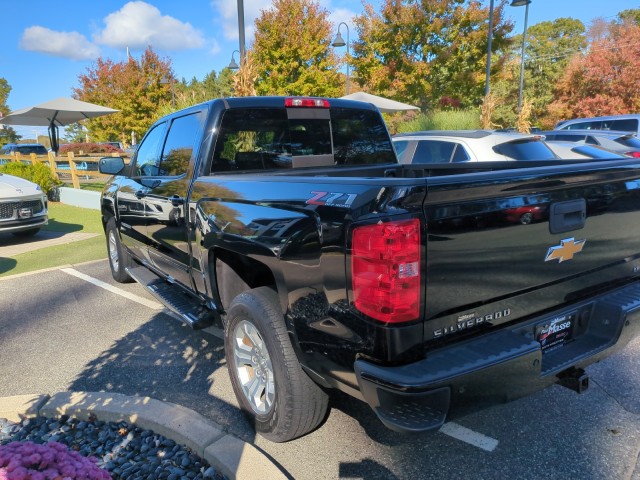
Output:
x=25 y=213
x=555 y=332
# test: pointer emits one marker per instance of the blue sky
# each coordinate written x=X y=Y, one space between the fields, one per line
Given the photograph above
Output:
x=46 y=45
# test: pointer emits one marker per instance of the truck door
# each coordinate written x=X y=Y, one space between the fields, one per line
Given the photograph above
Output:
x=132 y=209
x=167 y=217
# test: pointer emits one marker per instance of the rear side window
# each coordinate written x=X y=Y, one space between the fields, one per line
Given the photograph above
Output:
x=400 y=146
x=525 y=150
x=434 y=151
x=270 y=138
x=625 y=125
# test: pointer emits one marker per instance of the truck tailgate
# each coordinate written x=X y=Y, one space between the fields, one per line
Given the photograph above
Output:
x=504 y=245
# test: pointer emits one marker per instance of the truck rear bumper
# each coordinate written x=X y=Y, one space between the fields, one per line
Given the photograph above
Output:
x=498 y=366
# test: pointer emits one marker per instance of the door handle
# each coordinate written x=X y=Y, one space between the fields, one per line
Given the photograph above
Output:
x=176 y=200
x=140 y=194
x=567 y=216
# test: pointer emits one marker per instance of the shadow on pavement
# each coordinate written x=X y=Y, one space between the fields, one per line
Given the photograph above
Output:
x=167 y=361
x=7 y=264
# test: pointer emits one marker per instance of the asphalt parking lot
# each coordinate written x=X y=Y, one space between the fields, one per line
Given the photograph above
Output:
x=75 y=329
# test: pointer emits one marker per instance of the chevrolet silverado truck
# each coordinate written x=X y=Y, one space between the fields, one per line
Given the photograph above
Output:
x=289 y=224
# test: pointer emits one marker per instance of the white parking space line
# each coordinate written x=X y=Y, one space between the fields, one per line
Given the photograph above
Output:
x=469 y=436
x=118 y=291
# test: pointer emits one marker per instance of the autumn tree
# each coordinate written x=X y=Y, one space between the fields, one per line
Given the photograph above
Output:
x=292 y=53
x=605 y=80
x=549 y=47
x=427 y=53
x=134 y=87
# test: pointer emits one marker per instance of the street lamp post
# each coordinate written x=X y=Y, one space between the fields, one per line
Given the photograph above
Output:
x=233 y=65
x=520 y=3
x=241 y=30
x=489 y=40
x=339 y=42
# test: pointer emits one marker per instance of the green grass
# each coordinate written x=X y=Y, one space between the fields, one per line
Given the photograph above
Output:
x=67 y=219
x=443 y=120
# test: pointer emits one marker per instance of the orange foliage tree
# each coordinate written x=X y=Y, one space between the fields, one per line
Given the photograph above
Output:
x=605 y=80
x=134 y=87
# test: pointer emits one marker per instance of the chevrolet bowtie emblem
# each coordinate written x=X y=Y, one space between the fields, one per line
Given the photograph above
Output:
x=567 y=249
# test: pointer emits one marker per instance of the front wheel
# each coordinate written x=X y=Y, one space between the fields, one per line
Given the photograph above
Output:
x=119 y=259
x=269 y=383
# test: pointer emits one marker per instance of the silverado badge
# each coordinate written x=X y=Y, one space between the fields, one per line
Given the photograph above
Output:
x=565 y=251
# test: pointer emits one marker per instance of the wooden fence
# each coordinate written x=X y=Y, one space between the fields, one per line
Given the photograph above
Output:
x=77 y=168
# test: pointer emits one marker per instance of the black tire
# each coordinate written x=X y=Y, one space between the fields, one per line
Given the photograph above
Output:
x=286 y=402
x=27 y=233
x=119 y=258
x=526 y=218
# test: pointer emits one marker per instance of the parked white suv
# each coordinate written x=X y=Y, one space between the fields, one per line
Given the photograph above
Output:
x=23 y=206
x=452 y=146
x=622 y=123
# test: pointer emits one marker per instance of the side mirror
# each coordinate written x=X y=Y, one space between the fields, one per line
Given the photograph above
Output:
x=111 y=165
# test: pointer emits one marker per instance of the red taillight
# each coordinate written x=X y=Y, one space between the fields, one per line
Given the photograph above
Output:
x=634 y=154
x=306 y=102
x=385 y=270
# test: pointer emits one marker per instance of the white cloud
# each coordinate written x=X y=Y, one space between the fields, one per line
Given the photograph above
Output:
x=139 y=24
x=60 y=44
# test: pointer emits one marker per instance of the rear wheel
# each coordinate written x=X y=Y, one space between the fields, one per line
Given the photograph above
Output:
x=269 y=383
x=526 y=218
x=119 y=259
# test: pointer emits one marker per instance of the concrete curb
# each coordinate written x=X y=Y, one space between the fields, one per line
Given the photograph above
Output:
x=231 y=456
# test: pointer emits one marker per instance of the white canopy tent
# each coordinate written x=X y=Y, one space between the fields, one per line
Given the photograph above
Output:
x=55 y=113
x=385 y=105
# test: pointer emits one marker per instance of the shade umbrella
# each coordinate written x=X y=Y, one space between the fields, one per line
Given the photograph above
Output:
x=385 y=105
x=55 y=113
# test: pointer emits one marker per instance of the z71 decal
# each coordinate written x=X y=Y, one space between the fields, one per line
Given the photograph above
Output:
x=332 y=199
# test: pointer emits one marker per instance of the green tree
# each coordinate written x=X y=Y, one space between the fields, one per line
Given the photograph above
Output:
x=428 y=53
x=549 y=48
x=5 y=89
x=631 y=15
x=134 y=87
x=292 y=53
x=74 y=133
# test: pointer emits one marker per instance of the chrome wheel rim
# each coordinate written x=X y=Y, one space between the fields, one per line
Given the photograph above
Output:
x=253 y=367
x=113 y=251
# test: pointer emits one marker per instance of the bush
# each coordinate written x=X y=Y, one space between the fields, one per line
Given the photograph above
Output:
x=34 y=172
x=87 y=148
x=468 y=119
x=31 y=461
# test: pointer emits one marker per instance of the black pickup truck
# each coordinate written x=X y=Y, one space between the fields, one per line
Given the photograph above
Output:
x=288 y=223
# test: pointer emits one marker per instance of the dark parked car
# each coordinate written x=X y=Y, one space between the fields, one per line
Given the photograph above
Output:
x=626 y=143
x=24 y=149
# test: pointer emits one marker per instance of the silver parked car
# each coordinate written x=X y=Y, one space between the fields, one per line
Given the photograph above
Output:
x=626 y=143
x=577 y=151
x=452 y=146
x=23 y=206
